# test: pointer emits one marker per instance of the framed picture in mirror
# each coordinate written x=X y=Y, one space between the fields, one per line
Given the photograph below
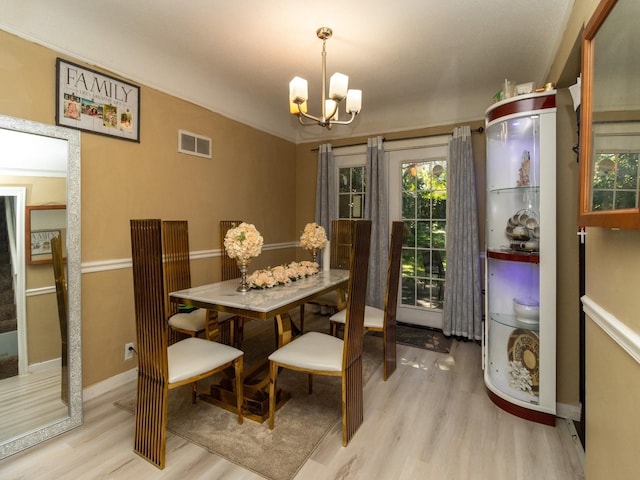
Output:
x=43 y=222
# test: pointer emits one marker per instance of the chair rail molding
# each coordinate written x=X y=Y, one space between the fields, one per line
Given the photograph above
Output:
x=624 y=336
x=123 y=263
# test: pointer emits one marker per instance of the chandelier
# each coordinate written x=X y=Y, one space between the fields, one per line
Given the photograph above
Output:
x=338 y=91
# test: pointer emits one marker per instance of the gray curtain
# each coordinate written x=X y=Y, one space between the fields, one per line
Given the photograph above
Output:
x=326 y=195
x=377 y=210
x=462 y=315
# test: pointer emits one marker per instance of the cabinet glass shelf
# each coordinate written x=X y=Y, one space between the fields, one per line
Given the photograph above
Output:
x=510 y=320
x=524 y=189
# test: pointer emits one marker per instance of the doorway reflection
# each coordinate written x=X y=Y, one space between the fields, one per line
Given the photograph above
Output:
x=31 y=353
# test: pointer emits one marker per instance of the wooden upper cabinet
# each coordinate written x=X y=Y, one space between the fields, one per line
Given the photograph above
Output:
x=610 y=117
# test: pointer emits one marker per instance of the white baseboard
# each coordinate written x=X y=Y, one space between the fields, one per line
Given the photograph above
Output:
x=110 y=383
x=570 y=412
x=43 y=366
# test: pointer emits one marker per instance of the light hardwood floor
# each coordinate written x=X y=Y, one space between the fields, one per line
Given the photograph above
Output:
x=431 y=420
x=26 y=402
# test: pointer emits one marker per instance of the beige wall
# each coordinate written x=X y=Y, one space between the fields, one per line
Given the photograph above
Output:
x=252 y=177
x=612 y=375
x=567 y=261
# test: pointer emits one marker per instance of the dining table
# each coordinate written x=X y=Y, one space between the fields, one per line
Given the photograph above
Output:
x=261 y=304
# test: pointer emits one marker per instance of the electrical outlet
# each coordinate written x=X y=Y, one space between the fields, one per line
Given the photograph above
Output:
x=128 y=351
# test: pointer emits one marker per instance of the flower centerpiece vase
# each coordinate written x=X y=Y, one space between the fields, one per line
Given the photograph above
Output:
x=243 y=264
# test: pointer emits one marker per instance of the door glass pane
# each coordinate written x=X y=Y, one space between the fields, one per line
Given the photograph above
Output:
x=424 y=198
x=351 y=192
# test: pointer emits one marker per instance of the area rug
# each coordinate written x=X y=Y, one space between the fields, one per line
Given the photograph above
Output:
x=300 y=424
x=421 y=337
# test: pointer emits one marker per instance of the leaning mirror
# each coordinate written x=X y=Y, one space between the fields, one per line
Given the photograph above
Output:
x=40 y=347
x=610 y=117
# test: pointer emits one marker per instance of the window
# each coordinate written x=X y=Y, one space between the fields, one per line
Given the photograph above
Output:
x=616 y=179
x=351 y=172
x=351 y=192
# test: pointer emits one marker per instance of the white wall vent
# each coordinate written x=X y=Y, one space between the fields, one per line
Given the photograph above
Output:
x=194 y=144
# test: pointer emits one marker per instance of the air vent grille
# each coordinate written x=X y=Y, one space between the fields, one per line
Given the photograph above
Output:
x=194 y=144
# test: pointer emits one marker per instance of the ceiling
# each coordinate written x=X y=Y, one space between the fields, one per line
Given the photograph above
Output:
x=419 y=63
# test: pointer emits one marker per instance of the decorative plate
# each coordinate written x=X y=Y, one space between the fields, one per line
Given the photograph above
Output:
x=523 y=346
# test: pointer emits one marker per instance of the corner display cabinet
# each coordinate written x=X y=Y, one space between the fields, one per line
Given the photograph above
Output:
x=519 y=345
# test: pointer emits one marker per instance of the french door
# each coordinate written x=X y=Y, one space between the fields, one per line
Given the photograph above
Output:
x=417 y=195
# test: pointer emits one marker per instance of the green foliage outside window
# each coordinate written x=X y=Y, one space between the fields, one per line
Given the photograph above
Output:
x=615 y=181
x=424 y=204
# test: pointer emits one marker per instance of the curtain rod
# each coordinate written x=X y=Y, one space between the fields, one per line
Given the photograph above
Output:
x=473 y=130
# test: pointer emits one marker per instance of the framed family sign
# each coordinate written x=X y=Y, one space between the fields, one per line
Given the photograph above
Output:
x=97 y=103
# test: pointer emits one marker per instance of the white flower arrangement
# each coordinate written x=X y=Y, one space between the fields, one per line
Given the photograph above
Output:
x=282 y=274
x=313 y=237
x=520 y=377
x=243 y=242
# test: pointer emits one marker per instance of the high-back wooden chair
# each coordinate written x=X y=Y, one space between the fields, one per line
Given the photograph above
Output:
x=317 y=353
x=231 y=326
x=339 y=258
x=60 y=278
x=229 y=265
x=341 y=236
x=177 y=276
x=384 y=320
x=162 y=367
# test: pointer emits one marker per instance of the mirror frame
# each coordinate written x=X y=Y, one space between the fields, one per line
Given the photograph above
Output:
x=623 y=218
x=73 y=250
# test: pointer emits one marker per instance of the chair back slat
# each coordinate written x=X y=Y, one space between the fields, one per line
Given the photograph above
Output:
x=393 y=271
x=61 y=283
x=229 y=266
x=149 y=297
x=60 y=278
x=357 y=290
x=341 y=241
x=391 y=297
x=177 y=268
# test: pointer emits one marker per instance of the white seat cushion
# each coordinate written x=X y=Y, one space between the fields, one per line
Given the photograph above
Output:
x=311 y=351
x=373 y=317
x=194 y=356
x=193 y=321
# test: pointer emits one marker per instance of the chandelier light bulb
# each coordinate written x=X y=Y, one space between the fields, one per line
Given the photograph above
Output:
x=331 y=106
x=298 y=90
x=338 y=85
x=354 y=101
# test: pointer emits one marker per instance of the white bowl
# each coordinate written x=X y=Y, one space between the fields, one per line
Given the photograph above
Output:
x=527 y=310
